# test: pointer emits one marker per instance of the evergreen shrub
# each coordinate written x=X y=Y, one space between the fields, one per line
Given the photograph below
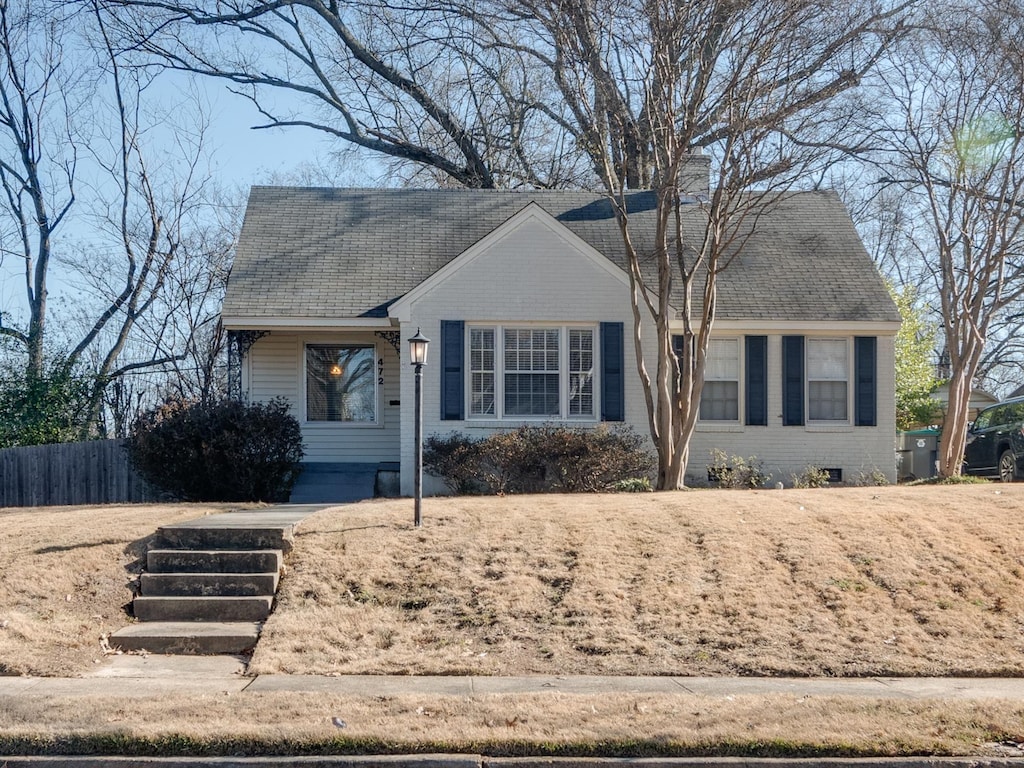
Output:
x=220 y=451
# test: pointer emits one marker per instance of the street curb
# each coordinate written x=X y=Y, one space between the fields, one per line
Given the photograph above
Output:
x=480 y=761
x=329 y=761
x=751 y=762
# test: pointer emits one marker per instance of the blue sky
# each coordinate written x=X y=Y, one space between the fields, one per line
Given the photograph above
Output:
x=238 y=157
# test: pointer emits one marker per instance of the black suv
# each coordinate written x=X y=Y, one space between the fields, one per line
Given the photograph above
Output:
x=995 y=442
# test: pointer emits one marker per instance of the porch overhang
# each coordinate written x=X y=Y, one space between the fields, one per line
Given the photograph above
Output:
x=264 y=323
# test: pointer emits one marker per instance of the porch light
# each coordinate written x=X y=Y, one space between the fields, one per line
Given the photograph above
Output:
x=418 y=348
x=418 y=357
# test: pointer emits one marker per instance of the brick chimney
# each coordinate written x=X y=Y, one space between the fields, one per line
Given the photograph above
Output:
x=695 y=176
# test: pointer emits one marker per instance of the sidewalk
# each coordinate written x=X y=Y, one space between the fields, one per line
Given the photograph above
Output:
x=132 y=676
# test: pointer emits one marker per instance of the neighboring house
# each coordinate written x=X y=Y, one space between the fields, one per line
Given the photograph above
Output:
x=980 y=400
x=525 y=299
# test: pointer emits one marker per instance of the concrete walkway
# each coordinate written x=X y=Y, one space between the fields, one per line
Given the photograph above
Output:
x=132 y=676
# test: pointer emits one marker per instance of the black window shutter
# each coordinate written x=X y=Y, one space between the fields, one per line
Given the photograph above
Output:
x=792 y=381
x=613 y=381
x=865 y=387
x=452 y=379
x=757 y=380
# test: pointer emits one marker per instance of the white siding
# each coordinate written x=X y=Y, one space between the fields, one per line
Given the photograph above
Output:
x=786 y=451
x=532 y=276
x=276 y=366
x=536 y=275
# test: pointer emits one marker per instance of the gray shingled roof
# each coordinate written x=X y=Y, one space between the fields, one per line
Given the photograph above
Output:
x=352 y=252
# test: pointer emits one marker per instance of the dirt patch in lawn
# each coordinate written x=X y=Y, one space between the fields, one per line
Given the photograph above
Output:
x=67 y=575
x=852 y=581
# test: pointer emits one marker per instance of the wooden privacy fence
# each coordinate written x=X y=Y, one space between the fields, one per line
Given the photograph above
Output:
x=91 y=472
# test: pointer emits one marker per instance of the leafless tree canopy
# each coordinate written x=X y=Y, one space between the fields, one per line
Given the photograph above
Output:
x=953 y=171
x=608 y=94
x=83 y=195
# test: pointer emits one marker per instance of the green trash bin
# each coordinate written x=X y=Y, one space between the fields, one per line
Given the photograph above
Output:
x=917 y=454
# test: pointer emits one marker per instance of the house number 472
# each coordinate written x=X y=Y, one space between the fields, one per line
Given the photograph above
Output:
x=380 y=370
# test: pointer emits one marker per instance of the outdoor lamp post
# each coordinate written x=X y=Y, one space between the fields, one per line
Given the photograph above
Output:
x=418 y=357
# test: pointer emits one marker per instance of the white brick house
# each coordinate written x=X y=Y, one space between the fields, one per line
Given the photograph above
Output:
x=526 y=301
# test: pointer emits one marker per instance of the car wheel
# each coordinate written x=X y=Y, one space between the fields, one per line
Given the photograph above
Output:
x=1007 y=467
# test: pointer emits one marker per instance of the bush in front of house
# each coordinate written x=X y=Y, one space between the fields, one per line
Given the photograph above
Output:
x=811 y=477
x=541 y=459
x=221 y=451
x=731 y=471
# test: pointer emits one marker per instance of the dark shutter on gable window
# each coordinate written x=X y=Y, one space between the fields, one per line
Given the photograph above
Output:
x=452 y=379
x=865 y=388
x=757 y=380
x=792 y=381
x=613 y=379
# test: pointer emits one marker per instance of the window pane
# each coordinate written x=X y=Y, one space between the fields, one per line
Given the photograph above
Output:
x=719 y=401
x=723 y=362
x=827 y=400
x=531 y=372
x=581 y=372
x=827 y=359
x=341 y=383
x=827 y=377
x=531 y=394
x=720 y=398
x=481 y=366
x=482 y=397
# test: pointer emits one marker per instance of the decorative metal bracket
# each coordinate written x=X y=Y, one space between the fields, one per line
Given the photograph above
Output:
x=394 y=338
x=244 y=340
x=239 y=344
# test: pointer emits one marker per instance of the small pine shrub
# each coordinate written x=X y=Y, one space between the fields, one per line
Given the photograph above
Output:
x=538 y=459
x=874 y=477
x=222 y=451
x=811 y=477
x=736 y=471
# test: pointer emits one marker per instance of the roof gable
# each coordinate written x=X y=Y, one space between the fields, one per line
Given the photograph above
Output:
x=532 y=214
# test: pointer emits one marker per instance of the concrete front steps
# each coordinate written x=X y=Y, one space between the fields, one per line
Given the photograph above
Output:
x=211 y=584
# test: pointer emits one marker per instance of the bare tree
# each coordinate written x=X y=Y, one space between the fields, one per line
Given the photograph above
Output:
x=72 y=128
x=956 y=107
x=612 y=94
x=432 y=87
x=759 y=88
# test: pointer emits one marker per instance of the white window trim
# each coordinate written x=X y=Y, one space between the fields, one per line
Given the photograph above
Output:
x=729 y=424
x=498 y=417
x=826 y=423
x=377 y=388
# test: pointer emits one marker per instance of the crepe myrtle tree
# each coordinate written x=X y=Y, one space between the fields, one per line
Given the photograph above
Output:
x=615 y=95
x=956 y=150
x=760 y=87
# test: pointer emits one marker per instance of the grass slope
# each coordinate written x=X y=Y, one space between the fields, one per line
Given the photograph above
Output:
x=853 y=581
x=920 y=580
x=67 y=575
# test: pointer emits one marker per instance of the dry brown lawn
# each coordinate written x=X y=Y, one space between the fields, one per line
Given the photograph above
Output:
x=853 y=581
x=857 y=581
x=551 y=723
x=66 y=576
